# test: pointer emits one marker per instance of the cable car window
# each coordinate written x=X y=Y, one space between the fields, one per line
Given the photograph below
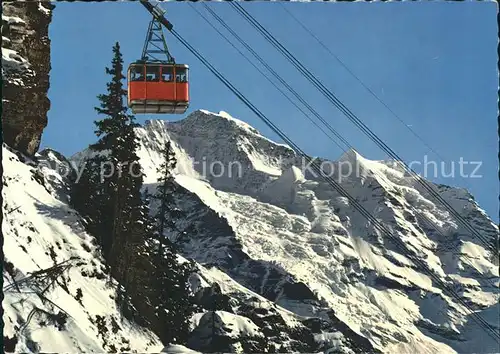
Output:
x=180 y=74
x=137 y=73
x=152 y=73
x=167 y=73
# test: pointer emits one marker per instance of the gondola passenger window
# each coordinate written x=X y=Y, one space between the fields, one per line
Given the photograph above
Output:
x=137 y=73
x=167 y=74
x=152 y=73
x=180 y=74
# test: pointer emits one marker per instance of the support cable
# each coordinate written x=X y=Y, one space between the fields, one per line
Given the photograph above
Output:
x=333 y=55
x=276 y=86
x=356 y=121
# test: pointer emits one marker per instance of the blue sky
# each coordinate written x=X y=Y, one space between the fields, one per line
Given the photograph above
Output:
x=433 y=63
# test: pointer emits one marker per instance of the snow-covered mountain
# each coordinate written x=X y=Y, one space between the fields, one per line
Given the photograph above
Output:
x=295 y=266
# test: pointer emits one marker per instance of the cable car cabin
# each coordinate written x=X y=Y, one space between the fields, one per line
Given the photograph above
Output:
x=158 y=88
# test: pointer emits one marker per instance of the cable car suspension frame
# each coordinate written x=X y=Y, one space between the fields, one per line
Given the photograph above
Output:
x=156 y=39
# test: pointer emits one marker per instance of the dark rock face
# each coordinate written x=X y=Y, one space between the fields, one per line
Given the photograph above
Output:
x=229 y=316
x=213 y=298
x=25 y=73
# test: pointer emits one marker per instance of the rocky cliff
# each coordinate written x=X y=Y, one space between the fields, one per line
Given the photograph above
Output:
x=25 y=73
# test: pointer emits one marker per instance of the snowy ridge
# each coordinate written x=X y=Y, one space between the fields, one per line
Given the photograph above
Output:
x=226 y=152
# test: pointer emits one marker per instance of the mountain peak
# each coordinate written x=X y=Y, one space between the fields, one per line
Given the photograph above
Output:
x=349 y=155
x=203 y=119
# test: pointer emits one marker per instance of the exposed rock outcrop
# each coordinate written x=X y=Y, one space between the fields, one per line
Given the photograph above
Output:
x=25 y=73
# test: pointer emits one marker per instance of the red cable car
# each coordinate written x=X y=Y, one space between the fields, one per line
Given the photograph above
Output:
x=158 y=88
x=157 y=85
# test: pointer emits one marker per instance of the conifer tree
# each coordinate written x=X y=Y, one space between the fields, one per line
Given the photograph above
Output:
x=167 y=213
x=89 y=198
x=117 y=138
x=113 y=178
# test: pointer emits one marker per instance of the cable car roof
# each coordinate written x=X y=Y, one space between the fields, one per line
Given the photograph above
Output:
x=154 y=63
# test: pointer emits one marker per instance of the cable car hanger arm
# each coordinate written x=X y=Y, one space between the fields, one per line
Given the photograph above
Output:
x=157 y=13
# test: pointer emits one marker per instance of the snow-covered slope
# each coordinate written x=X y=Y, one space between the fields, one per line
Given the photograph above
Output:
x=77 y=313
x=284 y=226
